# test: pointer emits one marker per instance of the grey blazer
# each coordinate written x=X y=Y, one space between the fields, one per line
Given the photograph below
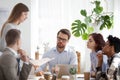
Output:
x=9 y=67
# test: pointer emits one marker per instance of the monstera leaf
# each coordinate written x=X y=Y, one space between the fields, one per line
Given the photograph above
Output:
x=107 y=23
x=84 y=27
x=85 y=36
x=88 y=20
x=88 y=31
x=98 y=9
x=78 y=28
x=83 y=13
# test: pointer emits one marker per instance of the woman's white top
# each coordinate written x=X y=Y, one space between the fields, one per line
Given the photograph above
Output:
x=7 y=27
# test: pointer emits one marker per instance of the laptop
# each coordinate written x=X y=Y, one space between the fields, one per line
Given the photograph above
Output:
x=64 y=69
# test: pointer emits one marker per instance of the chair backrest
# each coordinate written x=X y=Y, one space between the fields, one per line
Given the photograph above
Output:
x=78 y=59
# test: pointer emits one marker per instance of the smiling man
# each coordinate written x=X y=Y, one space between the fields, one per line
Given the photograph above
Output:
x=62 y=54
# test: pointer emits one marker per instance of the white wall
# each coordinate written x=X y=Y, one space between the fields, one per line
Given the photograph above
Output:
x=117 y=18
x=48 y=16
x=25 y=27
x=52 y=15
x=35 y=30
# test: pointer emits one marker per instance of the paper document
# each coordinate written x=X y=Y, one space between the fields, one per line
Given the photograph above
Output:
x=40 y=62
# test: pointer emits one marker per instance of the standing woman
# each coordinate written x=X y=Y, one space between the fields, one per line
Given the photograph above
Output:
x=95 y=43
x=17 y=16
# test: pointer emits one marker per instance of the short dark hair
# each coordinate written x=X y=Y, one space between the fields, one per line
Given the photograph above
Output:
x=12 y=36
x=98 y=38
x=65 y=31
x=114 y=41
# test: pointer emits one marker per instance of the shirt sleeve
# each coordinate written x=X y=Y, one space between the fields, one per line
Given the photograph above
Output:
x=104 y=65
x=73 y=58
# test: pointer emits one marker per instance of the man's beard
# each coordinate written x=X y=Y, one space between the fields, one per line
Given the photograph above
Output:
x=60 y=45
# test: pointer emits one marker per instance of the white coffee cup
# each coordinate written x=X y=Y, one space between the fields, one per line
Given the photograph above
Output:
x=36 y=78
x=65 y=77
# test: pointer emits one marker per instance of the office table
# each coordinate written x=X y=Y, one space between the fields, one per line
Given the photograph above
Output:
x=78 y=77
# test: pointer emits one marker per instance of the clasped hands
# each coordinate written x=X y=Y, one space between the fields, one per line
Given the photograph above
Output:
x=23 y=55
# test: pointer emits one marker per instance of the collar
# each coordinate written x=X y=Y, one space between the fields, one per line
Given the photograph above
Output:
x=112 y=56
x=65 y=49
x=110 y=59
x=14 y=52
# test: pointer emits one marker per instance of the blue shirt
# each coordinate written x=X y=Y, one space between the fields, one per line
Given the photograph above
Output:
x=94 y=62
x=68 y=56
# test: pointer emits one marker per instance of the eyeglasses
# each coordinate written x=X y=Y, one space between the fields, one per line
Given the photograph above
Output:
x=61 y=39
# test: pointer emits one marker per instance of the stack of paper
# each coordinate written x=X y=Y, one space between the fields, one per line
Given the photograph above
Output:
x=40 y=62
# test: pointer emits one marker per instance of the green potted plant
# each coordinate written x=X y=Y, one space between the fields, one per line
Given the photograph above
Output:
x=97 y=16
x=73 y=72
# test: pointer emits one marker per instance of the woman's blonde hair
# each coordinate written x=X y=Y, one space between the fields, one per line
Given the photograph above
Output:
x=15 y=14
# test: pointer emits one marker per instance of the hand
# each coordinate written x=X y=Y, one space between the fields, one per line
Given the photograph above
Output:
x=35 y=67
x=100 y=59
x=93 y=74
x=55 y=69
x=40 y=73
x=23 y=55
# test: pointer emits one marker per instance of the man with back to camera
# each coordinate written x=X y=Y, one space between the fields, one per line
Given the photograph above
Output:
x=9 y=60
x=62 y=54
